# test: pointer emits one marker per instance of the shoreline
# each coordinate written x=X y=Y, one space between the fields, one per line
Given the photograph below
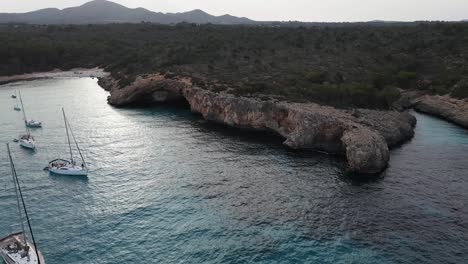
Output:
x=57 y=73
x=363 y=136
x=444 y=107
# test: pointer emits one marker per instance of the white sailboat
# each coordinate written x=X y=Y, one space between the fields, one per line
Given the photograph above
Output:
x=16 y=107
x=16 y=248
x=29 y=123
x=26 y=140
x=68 y=167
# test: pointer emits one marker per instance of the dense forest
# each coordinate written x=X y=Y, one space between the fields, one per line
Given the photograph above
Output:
x=354 y=65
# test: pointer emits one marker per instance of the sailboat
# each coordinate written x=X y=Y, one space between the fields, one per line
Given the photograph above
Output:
x=16 y=107
x=29 y=123
x=26 y=140
x=16 y=248
x=68 y=167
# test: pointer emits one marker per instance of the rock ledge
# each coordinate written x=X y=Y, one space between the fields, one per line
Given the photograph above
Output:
x=362 y=136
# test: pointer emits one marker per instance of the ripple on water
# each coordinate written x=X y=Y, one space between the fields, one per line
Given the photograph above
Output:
x=167 y=188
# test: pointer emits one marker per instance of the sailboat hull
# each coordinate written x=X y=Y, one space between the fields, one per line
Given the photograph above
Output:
x=27 y=144
x=33 y=124
x=75 y=171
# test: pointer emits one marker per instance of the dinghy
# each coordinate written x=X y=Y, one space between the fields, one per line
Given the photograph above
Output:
x=16 y=248
x=68 y=167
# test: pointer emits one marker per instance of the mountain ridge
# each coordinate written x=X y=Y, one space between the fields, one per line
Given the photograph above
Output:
x=104 y=12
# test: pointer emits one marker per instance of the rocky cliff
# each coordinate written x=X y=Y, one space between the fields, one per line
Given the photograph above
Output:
x=362 y=136
x=448 y=108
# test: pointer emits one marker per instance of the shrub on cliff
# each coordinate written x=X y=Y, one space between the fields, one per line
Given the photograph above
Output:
x=406 y=79
x=460 y=90
x=316 y=76
x=388 y=96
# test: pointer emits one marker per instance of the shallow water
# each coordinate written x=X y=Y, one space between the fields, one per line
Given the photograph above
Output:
x=167 y=187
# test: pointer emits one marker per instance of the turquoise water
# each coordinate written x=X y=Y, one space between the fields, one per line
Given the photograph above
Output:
x=167 y=187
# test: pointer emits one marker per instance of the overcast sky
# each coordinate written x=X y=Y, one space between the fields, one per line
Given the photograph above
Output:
x=303 y=10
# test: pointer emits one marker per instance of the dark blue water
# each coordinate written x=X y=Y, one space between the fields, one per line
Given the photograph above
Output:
x=166 y=187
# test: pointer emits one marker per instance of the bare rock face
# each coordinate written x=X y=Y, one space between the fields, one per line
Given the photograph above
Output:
x=366 y=150
x=152 y=88
x=448 y=108
x=362 y=136
x=395 y=127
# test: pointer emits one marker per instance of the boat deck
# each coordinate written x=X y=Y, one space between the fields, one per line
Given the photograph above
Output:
x=15 y=258
x=10 y=239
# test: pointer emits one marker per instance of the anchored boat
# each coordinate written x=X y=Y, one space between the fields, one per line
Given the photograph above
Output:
x=33 y=123
x=65 y=166
x=16 y=107
x=16 y=248
x=26 y=140
x=29 y=123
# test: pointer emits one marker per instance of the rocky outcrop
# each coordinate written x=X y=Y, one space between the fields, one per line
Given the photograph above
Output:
x=446 y=107
x=149 y=89
x=362 y=136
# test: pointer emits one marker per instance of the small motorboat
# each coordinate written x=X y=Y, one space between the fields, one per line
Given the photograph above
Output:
x=64 y=166
x=33 y=123
x=16 y=248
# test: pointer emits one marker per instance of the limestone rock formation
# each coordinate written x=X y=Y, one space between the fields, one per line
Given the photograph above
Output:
x=362 y=136
x=448 y=108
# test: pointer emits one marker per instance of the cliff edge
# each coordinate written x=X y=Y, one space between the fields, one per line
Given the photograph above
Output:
x=362 y=136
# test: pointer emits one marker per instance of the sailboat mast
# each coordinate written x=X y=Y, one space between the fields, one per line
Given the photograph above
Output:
x=17 y=184
x=68 y=135
x=16 y=192
x=77 y=146
x=24 y=113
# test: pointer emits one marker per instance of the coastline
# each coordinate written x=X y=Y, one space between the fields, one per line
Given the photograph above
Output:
x=441 y=106
x=447 y=108
x=363 y=136
x=57 y=73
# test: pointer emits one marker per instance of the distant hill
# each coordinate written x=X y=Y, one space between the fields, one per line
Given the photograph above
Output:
x=104 y=12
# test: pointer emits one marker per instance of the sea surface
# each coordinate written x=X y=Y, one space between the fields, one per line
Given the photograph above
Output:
x=167 y=187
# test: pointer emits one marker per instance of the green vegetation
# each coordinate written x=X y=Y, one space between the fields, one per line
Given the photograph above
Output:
x=460 y=90
x=346 y=66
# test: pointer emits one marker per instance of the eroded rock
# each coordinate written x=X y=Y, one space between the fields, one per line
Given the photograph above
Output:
x=362 y=136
